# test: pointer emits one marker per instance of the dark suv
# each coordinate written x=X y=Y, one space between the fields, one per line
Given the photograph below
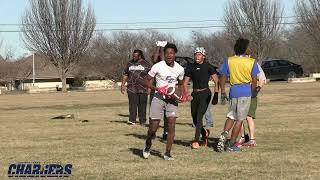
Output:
x=184 y=61
x=281 y=69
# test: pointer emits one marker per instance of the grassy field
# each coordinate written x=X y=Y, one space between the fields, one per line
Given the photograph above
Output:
x=288 y=132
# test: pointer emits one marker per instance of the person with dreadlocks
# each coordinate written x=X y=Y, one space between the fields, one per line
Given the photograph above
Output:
x=137 y=68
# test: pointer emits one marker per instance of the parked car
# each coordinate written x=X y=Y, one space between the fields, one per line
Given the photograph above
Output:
x=184 y=61
x=277 y=69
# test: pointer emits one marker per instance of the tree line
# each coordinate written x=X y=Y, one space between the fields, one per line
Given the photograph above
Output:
x=63 y=32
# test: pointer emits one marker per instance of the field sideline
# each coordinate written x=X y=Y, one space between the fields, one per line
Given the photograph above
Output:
x=288 y=132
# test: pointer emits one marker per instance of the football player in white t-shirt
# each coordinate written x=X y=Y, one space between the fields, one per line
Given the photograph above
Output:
x=167 y=73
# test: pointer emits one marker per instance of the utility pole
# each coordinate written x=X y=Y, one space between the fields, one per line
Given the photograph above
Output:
x=33 y=70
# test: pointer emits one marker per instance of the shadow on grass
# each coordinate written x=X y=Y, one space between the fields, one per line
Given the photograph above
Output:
x=123 y=115
x=67 y=107
x=139 y=136
x=176 y=141
x=138 y=152
x=119 y=121
x=213 y=142
x=125 y=122
x=66 y=116
x=185 y=124
x=180 y=142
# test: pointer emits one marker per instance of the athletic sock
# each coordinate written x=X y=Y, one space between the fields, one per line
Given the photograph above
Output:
x=167 y=153
x=225 y=134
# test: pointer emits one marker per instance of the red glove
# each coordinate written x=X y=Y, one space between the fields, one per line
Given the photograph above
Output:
x=182 y=99
x=215 y=98
x=163 y=90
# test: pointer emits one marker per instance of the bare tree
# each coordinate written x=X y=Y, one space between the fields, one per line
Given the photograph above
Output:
x=257 y=20
x=9 y=53
x=1 y=42
x=308 y=16
x=217 y=45
x=149 y=39
x=296 y=45
x=60 y=30
x=110 y=53
x=302 y=49
x=13 y=70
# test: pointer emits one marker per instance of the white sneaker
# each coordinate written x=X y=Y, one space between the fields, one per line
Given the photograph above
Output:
x=145 y=153
x=130 y=122
x=168 y=157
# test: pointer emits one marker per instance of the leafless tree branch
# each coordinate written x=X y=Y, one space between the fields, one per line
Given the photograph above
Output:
x=60 y=30
x=257 y=20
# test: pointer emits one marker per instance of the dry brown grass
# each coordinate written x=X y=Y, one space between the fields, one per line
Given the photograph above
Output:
x=288 y=132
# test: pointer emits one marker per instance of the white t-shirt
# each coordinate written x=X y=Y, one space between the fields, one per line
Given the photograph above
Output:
x=166 y=75
x=261 y=76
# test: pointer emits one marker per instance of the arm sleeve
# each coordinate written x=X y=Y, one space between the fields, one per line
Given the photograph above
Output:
x=224 y=68
x=188 y=70
x=255 y=70
x=261 y=75
x=212 y=69
x=147 y=66
x=153 y=71
x=126 y=70
x=181 y=75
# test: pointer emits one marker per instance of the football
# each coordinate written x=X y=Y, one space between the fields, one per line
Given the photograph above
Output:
x=175 y=93
x=171 y=90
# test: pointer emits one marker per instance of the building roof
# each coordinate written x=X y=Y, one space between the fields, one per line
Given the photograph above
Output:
x=44 y=69
x=22 y=69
